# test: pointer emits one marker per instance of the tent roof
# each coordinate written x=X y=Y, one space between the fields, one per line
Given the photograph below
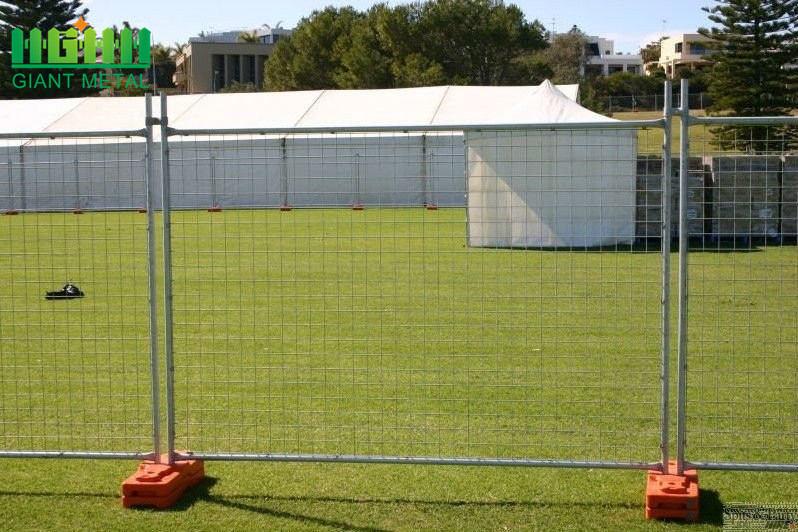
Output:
x=411 y=107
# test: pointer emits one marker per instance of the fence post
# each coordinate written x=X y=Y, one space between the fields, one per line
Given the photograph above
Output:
x=666 y=274
x=167 y=284
x=154 y=483
x=148 y=174
x=684 y=153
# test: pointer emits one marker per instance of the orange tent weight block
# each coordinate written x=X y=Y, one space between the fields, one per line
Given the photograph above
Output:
x=670 y=496
x=357 y=206
x=161 y=485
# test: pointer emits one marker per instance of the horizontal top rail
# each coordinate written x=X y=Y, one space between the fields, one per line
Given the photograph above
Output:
x=75 y=134
x=447 y=128
x=744 y=120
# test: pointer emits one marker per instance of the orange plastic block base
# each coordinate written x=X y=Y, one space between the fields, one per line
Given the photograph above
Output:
x=161 y=485
x=215 y=208
x=670 y=496
x=285 y=207
x=431 y=207
x=357 y=207
x=11 y=212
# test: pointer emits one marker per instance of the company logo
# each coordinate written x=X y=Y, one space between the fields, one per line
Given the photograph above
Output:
x=65 y=50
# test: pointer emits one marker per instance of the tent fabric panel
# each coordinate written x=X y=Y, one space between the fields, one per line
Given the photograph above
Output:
x=551 y=189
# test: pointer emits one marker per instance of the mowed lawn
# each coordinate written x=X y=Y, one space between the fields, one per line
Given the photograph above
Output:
x=381 y=333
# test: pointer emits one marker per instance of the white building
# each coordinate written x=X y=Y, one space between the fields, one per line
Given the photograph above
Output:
x=687 y=50
x=602 y=59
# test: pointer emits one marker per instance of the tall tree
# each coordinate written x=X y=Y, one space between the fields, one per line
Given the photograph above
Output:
x=310 y=57
x=478 y=42
x=567 y=56
x=756 y=44
x=27 y=15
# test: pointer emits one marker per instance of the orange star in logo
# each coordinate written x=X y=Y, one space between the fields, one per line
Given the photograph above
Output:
x=81 y=24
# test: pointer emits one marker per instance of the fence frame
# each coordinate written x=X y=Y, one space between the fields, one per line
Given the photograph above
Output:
x=683 y=350
x=146 y=133
x=173 y=454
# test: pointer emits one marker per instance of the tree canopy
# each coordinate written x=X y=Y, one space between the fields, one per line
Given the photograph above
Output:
x=27 y=15
x=754 y=74
x=477 y=42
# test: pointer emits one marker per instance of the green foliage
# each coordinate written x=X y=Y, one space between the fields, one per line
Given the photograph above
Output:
x=755 y=41
x=477 y=42
x=27 y=15
x=566 y=56
x=651 y=52
x=237 y=86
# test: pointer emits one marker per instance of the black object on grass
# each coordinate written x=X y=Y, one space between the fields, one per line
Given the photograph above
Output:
x=70 y=291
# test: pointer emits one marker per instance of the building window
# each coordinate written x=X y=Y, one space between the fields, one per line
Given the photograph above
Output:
x=697 y=48
x=592 y=49
x=611 y=69
x=633 y=69
x=679 y=47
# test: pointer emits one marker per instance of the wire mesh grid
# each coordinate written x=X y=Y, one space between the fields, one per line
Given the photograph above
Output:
x=742 y=394
x=400 y=331
x=74 y=371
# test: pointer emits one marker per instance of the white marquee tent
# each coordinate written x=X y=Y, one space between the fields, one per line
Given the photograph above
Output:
x=401 y=167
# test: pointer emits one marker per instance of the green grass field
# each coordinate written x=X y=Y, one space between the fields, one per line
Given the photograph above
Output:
x=382 y=333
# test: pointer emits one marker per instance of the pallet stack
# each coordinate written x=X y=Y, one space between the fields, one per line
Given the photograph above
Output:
x=745 y=196
x=789 y=197
x=648 y=218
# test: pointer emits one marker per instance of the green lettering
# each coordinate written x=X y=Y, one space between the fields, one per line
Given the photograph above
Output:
x=19 y=81
x=89 y=82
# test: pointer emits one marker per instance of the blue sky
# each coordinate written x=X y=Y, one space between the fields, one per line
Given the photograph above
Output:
x=629 y=23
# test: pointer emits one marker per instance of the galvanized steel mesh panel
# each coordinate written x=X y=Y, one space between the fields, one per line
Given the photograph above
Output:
x=742 y=394
x=382 y=333
x=74 y=373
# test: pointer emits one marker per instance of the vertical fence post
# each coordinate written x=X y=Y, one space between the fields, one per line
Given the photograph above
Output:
x=167 y=284
x=148 y=173
x=666 y=275
x=11 y=201
x=22 y=191
x=684 y=152
x=283 y=174
x=77 y=209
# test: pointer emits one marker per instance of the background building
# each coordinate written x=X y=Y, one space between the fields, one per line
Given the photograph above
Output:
x=214 y=61
x=602 y=59
x=687 y=51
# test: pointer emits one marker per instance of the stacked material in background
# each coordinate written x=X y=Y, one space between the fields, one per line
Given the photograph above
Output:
x=648 y=216
x=745 y=196
x=789 y=197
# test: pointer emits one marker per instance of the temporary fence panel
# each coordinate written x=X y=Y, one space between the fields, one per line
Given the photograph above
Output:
x=75 y=376
x=742 y=327
x=381 y=335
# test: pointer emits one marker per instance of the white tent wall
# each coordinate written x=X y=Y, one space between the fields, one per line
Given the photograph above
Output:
x=551 y=188
x=243 y=171
x=60 y=175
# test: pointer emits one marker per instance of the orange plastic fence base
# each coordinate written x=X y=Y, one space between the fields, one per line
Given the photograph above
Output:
x=357 y=207
x=161 y=485
x=11 y=212
x=77 y=211
x=669 y=496
x=431 y=207
x=285 y=207
x=215 y=208
x=143 y=210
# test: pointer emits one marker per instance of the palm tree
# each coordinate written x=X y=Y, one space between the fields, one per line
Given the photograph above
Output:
x=248 y=36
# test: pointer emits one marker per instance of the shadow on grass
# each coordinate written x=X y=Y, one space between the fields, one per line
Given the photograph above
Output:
x=710 y=507
x=258 y=504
